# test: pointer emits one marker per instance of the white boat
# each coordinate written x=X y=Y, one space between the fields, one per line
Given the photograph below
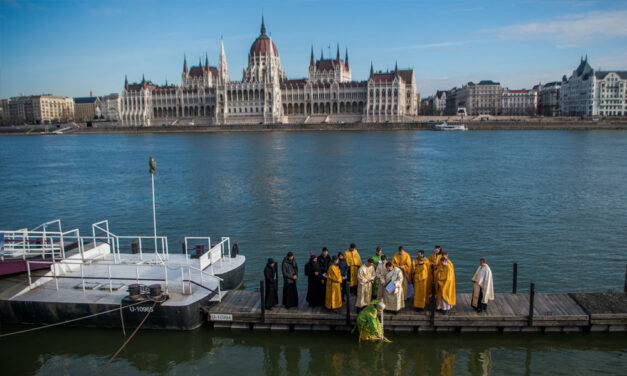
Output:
x=444 y=126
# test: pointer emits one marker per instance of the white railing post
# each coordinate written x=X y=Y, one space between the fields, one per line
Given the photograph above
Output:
x=137 y=273
x=62 y=244
x=110 y=284
x=30 y=281
x=27 y=241
x=54 y=271
x=189 y=280
x=83 y=277
x=182 y=280
x=43 y=245
x=185 y=242
x=93 y=235
x=165 y=272
x=141 y=254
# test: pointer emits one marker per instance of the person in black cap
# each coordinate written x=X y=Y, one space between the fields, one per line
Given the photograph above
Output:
x=270 y=274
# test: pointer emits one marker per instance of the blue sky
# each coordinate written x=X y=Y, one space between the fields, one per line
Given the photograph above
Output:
x=74 y=47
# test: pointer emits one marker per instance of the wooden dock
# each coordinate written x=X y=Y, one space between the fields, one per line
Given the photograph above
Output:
x=552 y=313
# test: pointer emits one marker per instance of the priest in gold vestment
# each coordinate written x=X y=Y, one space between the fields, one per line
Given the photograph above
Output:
x=365 y=279
x=353 y=260
x=402 y=260
x=421 y=271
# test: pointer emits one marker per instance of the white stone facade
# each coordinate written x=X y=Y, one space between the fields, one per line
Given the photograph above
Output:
x=265 y=95
x=519 y=102
x=594 y=93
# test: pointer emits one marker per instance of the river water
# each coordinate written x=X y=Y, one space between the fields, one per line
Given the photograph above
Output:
x=555 y=202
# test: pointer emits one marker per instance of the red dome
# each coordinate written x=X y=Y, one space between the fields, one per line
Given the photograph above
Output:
x=261 y=47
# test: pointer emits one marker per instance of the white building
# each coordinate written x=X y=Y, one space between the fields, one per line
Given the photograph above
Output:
x=111 y=107
x=265 y=95
x=439 y=103
x=594 y=93
x=483 y=98
x=519 y=102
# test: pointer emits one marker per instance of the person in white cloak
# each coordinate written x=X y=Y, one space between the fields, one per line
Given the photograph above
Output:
x=393 y=294
x=380 y=272
x=483 y=290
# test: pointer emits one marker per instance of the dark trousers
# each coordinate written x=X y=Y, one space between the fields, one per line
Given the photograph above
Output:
x=481 y=306
x=290 y=295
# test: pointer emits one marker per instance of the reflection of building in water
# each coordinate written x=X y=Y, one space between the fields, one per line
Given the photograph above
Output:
x=265 y=95
x=480 y=362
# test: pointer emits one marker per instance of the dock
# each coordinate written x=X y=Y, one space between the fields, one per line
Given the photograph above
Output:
x=507 y=313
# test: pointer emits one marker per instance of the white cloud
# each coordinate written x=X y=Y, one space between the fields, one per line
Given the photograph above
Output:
x=570 y=29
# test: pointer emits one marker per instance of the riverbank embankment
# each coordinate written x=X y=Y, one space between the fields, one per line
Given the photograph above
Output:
x=527 y=124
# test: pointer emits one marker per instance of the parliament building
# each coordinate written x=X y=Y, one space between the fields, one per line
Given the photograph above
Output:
x=207 y=95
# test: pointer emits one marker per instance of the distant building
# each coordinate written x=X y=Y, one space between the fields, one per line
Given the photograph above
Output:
x=549 y=99
x=483 y=98
x=519 y=102
x=594 y=93
x=87 y=109
x=111 y=107
x=265 y=95
x=451 y=101
x=426 y=106
x=439 y=103
x=37 y=109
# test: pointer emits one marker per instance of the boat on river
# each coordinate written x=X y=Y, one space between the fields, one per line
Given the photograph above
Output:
x=444 y=126
x=109 y=280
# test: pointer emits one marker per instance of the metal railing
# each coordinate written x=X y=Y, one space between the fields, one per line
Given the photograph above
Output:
x=32 y=243
x=59 y=270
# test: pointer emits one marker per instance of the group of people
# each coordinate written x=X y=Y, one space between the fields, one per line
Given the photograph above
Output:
x=390 y=281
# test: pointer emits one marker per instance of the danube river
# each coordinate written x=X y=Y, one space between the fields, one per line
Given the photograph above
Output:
x=555 y=202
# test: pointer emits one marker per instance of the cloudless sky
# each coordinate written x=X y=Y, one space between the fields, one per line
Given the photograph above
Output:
x=73 y=47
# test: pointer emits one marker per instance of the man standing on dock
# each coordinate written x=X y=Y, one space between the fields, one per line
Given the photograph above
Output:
x=421 y=271
x=434 y=261
x=314 y=282
x=325 y=261
x=365 y=278
x=402 y=260
x=290 y=275
x=445 y=279
x=333 y=294
x=353 y=260
x=272 y=280
x=377 y=256
x=393 y=295
x=380 y=273
x=483 y=290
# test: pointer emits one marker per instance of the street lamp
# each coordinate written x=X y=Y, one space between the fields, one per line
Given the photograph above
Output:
x=153 y=166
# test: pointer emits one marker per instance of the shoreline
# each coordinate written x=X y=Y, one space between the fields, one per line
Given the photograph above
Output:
x=471 y=125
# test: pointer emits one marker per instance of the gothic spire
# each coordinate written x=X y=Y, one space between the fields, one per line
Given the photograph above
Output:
x=224 y=70
x=184 y=63
x=337 y=57
x=371 y=70
x=396 y=67
x=321 y=54
x=125 y=81
x=346 y=58
x=206 y=61
x=263 y=26
x=143 y=78
x=311 y=59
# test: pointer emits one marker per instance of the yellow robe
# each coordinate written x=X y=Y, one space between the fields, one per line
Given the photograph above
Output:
x=434 y=262
x=446 y=282
x=333 y=297
x=404 y=263
x=353 y=260
x=421 y=277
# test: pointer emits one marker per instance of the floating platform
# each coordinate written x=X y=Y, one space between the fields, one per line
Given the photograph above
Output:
x=99 y=285
x=552 y=313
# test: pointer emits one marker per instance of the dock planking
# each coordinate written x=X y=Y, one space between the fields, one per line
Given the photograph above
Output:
x=506 y=311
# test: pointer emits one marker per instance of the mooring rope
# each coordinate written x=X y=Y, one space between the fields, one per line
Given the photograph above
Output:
x=69 y=321
x=127 y=340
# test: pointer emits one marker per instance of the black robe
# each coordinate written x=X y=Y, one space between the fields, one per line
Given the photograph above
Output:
x=290 y=292
x=324 y=262
x=272 y=296
x=314 y=284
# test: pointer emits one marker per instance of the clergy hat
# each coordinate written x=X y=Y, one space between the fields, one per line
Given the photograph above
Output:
x=313 y=256
x=270 y=261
